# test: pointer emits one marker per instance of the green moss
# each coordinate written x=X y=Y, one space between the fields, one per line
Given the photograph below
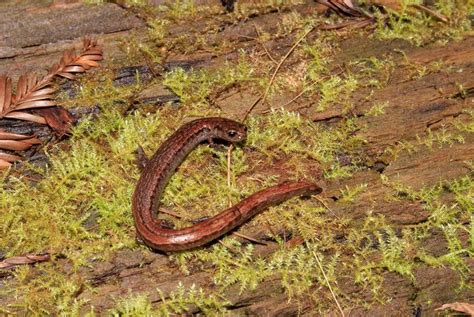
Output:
x=94 y=180
x=132 y=305
x=46 y=291
x=178 y=302
x=377 y=247
x=420 y=28
x=336 y=90
x=451 y=219
x=100 y=90
x=196 y=86
x=282 y=133
x=293 y=22
x=177 y=10
x=296 y=267
x=80 y=207
x=466 y=125
x=318 y=53
x=433 y=140
x=374 y=72
x=332 y=89
x=348 y=194
x=244 y=9
x=377 y=109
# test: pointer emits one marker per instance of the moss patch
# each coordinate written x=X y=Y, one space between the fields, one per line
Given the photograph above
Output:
x=80 y=208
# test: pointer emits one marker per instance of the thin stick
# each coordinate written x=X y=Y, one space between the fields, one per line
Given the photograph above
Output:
x=24 y=259
x=249 y=238
x=229 y=247
x=308 y=88
x=326 y=206
x=282 y=61
x=272 y=79
x=229 y=154
x=329 y=285
x=433 y=13
x=268 y=53
x=294 y=99
x=251 y=107
x=171 y=213
x=263 y=45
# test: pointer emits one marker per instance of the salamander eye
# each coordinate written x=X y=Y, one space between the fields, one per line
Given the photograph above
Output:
x=232 y=133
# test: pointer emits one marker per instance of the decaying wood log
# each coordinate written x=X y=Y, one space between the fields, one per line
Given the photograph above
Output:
x=417 y=107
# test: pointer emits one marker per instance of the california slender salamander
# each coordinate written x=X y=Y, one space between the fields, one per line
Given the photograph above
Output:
x=163 y=164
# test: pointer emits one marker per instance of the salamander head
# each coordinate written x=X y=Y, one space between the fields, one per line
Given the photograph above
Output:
x=229 y=130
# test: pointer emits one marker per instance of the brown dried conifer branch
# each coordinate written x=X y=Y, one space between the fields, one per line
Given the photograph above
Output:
x=34 y=93
x=344 y=8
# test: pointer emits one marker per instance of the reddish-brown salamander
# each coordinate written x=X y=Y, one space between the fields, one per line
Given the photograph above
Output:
x=163 y=164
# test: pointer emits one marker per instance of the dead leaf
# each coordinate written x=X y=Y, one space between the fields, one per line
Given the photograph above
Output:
x=14 y=142
x=6 y=159
x=9 y=157
x=4 y=135
x=26 y=116
x=344 y=8
x=438 y=16
x=58 y=118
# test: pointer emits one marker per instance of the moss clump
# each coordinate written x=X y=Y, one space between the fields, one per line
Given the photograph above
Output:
x=195 y=87
x=177 y=302
x=420 y=28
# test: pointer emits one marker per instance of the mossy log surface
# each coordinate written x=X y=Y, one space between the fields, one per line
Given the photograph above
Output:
x=419 y=107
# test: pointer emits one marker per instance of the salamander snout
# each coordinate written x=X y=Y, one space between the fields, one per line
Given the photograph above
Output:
x=236 y=135
x=231 y=131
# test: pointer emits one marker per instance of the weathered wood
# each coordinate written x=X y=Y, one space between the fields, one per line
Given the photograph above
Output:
x=33 y=37
x=429 y=167
x=28 y=27
x=416 y=106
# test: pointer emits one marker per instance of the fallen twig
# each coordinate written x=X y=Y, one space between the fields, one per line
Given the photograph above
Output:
x=229 y=153
x=329 y=285
x=25 y=259
x=263 y=45
x=243 y=236
x=434 y=14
